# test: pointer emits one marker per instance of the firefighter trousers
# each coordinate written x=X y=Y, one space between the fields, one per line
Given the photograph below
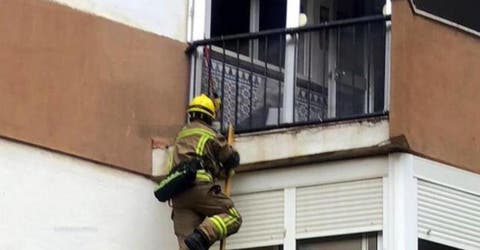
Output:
x=206 y=208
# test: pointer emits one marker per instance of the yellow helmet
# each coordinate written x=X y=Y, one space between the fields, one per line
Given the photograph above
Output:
x=202 y=104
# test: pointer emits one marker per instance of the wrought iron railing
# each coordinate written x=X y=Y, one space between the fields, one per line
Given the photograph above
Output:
x=287 y=77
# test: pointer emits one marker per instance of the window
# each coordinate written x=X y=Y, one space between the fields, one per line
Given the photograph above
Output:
x=352 y=58
x=244 y=16
x=272 y=15
x=348 y=242
x=266 y=248
x=308 y=75
x=428 y=245
x=229 y=18
x=366 y=241
x=460 y=12
x=255 y=95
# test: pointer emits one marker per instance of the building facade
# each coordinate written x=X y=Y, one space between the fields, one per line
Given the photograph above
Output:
x=85 y=85
x=356 y=120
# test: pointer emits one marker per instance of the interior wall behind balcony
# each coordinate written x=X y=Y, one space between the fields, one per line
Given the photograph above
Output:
x=88 y=86
x=435 y=88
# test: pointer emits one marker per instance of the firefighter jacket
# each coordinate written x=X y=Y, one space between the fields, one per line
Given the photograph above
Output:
x=198 y=140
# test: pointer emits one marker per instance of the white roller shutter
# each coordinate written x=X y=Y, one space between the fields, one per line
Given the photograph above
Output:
x=448 y=216
x=339 y=208
x=262 y=215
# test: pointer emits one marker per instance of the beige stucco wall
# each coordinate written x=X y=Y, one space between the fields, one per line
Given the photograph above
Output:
x=87 y=86
x=435 y=88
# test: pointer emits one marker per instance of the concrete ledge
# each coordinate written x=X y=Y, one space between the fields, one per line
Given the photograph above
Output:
x=300 y=145
x=312 y=140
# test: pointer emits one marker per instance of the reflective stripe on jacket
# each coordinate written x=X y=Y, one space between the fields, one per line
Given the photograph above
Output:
x=197 y=139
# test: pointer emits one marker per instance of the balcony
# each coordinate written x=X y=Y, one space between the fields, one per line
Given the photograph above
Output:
x=333 y=71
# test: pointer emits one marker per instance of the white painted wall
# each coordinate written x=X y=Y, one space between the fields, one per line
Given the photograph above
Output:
x=400 y=205
x=298 y=141
x=198 y=19
x=310 y=175
x=57 y=202
x=446 y=175
x=294 y=142
x=163 y=17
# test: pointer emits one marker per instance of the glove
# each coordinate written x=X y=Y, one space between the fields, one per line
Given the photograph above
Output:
x=232 y=162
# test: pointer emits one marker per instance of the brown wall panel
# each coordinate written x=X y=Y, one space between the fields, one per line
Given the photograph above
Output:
x=88 y=86
x=435 y=88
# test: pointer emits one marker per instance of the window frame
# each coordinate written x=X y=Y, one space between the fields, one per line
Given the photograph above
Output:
x=442 y=20
x=292 y=20
x=365 y=237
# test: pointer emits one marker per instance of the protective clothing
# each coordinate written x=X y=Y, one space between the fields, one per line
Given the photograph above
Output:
x=217 y=102
x=202 y=104
x=203 y=206
x=197 y=241
x=232 y=162
x=179 y=179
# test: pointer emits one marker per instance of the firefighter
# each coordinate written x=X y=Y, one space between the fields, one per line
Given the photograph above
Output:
x=203 y=214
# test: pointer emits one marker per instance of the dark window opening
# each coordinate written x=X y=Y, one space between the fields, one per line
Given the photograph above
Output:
x=273 y=15
x=266 y=248
x=354 y=8
x=229 y=18
x=343 y=242
x=428 y=245
x=463 y=12
x=234 y=17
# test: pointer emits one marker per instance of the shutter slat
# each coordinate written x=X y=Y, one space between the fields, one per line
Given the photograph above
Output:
x=262 y=215
x=443 y=193
x=448 y=216
x=348 y=206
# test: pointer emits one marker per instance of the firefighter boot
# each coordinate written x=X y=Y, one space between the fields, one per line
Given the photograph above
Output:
x=197 y=241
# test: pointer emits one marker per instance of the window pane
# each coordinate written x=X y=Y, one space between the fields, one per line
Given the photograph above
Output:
x=428 y=245
x=229 y=18
x=360 y=68
x=266 y=248
x=355 y=8
x=272 y=15
x=344 y=242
